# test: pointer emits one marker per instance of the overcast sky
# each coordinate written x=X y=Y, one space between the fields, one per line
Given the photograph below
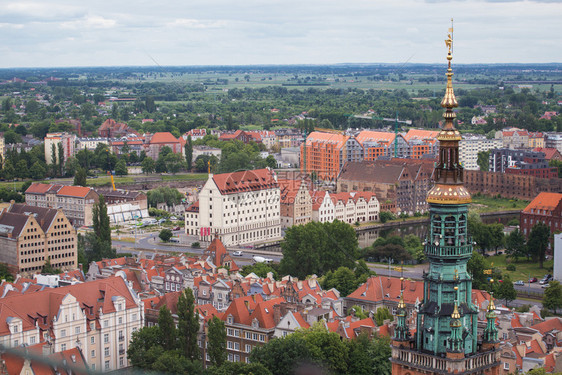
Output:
x=59 y=33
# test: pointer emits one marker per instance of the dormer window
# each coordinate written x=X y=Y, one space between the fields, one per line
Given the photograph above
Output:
x=230 y=319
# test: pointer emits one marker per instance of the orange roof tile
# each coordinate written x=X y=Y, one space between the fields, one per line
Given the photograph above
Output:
x=252 y=180
x=74 y=191
x=163 y=137
x=338 y=140
x=544 y=201
x=548 y=325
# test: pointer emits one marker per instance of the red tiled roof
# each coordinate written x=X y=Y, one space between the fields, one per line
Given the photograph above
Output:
x=378 y=288
x=548 y=152
x=163 y=137
x=74 y=191
x=548 y=325
x=236 y=182
x=544 y=201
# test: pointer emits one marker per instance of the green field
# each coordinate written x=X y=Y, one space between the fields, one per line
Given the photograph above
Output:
x=481 y=203
x=524 y=269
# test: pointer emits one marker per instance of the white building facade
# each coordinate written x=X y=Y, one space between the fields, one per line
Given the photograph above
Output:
x=239 y=208
x=471 y=145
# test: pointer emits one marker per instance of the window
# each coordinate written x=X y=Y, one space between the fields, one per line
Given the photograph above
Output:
x=120 y=320
x=77 y=330
x=248 y=348
x=105 y=323
x=32 y=340
x=106 y=352
x=63 y=333
x=106 y=338
x=92 y=340
x=121 y=362
x=62 y=347
x=107 y=365
x=506 y=366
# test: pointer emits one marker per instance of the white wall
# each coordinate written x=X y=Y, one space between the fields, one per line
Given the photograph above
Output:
x=558 y=257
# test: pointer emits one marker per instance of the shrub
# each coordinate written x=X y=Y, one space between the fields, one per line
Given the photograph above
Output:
x=511 y=267
x=196 y=245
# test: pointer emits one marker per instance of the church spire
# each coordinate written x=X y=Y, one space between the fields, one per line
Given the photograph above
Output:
x=456 y=328
x=491 y=331
x=401 y=331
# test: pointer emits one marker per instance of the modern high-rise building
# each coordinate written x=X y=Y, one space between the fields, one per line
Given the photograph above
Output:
x=446 y=336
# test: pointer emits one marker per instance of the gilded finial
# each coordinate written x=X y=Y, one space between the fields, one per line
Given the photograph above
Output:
x=491 y=305
x=401 y=303
x=456 y=314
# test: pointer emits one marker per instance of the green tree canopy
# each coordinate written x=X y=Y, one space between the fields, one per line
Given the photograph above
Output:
x=552 y=298
x=316 y=248
x=538 y=242
x=165 y=235
x=216 y=342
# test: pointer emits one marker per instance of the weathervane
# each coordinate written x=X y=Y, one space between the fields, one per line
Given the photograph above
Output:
x=449 y=40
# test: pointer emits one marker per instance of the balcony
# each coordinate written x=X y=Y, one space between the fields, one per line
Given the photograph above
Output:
x=448 y=251
x=473 y=364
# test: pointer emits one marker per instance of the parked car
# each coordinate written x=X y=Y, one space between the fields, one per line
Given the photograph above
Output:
x=545 y=285
x=237 y=253
x=519 y=282
x=533 y=280
x=177 y=228
x=173 y=218
x=546 y=279
x=175 y=240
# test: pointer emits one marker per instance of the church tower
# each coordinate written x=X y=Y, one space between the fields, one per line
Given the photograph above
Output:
x=446 y=340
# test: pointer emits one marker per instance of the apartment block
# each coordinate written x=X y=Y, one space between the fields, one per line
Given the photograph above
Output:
x=66 y=140
x=75 y=201
x=239 y=207
x=522 y=162
x=99 y=317
x=471 y=145
x=30 y=235
x=553 y=140
x=546 y=208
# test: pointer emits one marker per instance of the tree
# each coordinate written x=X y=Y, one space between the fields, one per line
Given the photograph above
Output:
x=48 y=269
x=165 y=235
x=61 y=158
x=381 y=315
x=497 y=238
x=189 y=153
x=164 y=194
x=271 y=162
x=149 y=104
x=343 y=279
x=552 y=299
x=260 y=269
x=188 y=324
x=506 y=291
x=174 y=162
x=37 y=171
x=22 y=169
x=369 y=356
x=80 y=178
x=476 y=266
x=148 y=165
x=282 y=356
x=172 y=362
x=358 y=312
x=145 y=347
x=99 y=242
x=54 y=159
x=538 y=242
x=483 y=160
x=386 y=216
x=515 y=245
x=5 y=273
x=239 y=368
x=216 y=342
x=316 y=248
x=8 y=172
x=121 y=168
x=167 y=329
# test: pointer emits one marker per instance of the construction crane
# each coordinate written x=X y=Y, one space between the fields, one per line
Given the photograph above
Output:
x=110 y=173
x=396 y=121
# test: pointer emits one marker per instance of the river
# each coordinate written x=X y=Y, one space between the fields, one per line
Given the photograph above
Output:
x=368 y=236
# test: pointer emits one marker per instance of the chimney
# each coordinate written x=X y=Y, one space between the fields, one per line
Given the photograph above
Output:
x=276 y=313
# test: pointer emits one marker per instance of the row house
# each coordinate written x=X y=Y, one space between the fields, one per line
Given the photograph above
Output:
x=195 y=134
x=90 y=143
x=129 y=144
x=239 y=208
x=30 y=236
x=289 y=137
x=515 y=138
x=400 y=185
x=98 y=317
x=296 y=203
x=75 y=201
x=112 y=129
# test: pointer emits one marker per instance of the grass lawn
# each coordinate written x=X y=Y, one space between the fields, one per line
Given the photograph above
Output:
x=523 y=268
x=482 y=203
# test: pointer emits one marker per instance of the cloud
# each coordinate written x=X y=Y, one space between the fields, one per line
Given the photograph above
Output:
x=89 y=22
x=197 y=24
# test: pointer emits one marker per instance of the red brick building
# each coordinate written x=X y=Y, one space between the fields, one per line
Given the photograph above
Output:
x=545 y=208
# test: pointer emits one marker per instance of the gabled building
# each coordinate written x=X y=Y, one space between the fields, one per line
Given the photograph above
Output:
x=296 y=203
x=545 y=208
x=29 y=236
x=75 y=201
x=100 y=317
x=239 y=208
x=155 y=142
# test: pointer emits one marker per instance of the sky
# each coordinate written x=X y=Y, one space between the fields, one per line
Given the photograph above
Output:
x=63 y=33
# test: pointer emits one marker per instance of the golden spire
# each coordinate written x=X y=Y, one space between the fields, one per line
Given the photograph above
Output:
x=455 y=314
x=401 y=303
x=491 y=305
